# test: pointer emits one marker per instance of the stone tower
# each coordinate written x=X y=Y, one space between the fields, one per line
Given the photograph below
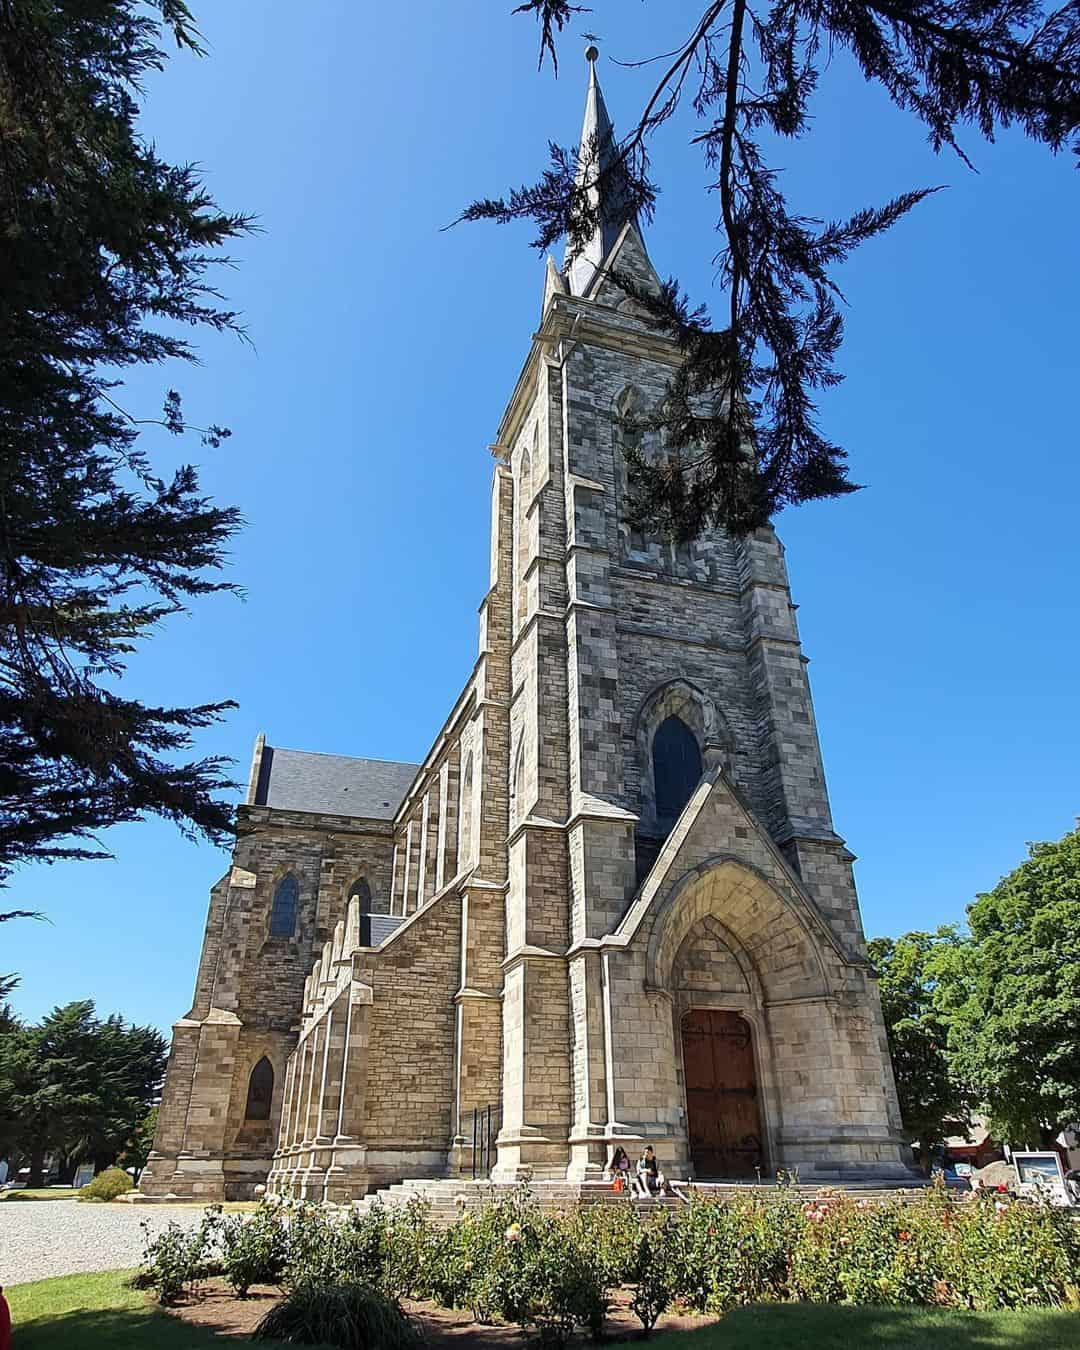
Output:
x=610 y=903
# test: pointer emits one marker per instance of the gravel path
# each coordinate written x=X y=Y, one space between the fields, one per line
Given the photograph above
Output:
x=39 y=1239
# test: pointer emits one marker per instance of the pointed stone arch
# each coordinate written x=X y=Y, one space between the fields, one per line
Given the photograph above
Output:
x=465 y=815
x=518 y=779
x=764 y=925
x=260 y=1090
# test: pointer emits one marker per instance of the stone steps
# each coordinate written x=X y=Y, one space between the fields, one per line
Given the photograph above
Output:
x=447 y=1198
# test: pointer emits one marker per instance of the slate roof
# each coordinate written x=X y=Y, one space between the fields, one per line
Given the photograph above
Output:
x=303 y=780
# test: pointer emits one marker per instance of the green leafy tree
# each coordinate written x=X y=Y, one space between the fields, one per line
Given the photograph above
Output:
x=106 y=261
x=740 y=421
x=934 y=1102
x=1012 y=996
x=141 y=1140
x=76 y=1086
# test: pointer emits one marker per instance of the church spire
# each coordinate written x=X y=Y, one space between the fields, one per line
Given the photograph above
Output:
x=598 y=159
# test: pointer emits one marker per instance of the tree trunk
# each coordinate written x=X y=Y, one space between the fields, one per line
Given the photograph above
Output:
x=37 y=1167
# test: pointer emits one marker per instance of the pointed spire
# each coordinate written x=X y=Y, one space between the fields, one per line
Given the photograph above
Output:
x=554 y=284
x=598 y=144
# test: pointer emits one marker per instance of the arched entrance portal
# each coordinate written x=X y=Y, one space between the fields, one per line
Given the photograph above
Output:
x=723 y=1114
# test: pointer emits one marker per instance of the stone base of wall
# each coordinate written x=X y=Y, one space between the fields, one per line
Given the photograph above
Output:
x=342 y=1170
x=209 y=1179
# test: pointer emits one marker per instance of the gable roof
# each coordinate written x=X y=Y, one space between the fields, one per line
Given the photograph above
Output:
x=337 y=785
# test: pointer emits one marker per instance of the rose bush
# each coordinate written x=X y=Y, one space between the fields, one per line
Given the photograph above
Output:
x=509 y=1260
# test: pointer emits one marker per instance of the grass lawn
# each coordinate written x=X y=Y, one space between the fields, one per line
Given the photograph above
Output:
x=40 y=1193
x=805 y=1326
x=230 y=1206
x=96 y=1312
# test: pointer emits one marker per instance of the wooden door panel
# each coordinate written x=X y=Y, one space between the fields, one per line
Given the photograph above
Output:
x=723 y=1118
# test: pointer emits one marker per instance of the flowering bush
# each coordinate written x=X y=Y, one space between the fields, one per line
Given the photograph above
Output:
x=177 y=1261
x=551 y=1273
x=254 y=1248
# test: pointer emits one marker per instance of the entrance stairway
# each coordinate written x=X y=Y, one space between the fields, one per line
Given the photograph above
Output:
x=449 y=1198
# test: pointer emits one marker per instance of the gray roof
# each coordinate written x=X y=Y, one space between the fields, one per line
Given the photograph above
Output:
x=302 y=780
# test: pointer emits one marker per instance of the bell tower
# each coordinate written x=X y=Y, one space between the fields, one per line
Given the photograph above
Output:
x=662 y=728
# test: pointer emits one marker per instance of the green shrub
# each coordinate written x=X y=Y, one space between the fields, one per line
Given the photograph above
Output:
x=611 y=1233
x=254 y=1248
x=654 y=1272
x=177 y=1261
x=345 y=1315
x=404 y=1232
x=108 y=1185
x=550 y=1273
x=326 y=1248
x=446 y=1275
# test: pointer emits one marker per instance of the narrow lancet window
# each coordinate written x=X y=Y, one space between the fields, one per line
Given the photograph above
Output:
x=676 y=769
x=286 y=903
x=260 y=1091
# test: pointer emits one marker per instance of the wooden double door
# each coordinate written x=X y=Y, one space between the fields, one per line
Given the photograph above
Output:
x=723 y=1113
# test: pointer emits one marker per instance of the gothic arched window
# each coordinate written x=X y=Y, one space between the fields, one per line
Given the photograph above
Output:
x=466 y=814
x=286 y=903
x=676 y=768
x=260 y=1091
x=522 y=559
x=629 y=409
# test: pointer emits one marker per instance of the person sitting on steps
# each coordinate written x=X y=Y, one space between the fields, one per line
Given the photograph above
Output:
x=650 y=1180
x=618 y=1169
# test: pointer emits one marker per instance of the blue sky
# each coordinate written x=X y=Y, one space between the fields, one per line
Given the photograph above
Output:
x=938 y=607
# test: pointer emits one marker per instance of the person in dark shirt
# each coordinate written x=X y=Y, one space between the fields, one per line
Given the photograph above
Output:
x=650 y=1180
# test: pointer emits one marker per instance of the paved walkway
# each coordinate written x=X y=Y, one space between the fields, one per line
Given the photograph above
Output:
x=39 y=1239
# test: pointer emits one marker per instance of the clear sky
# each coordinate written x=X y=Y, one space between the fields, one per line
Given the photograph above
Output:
x=938 y=607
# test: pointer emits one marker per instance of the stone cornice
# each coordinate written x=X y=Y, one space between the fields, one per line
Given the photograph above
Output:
x=523 y=955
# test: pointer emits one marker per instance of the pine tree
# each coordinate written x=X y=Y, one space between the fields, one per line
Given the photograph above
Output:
x=740 y=421
x=77 y=1086
x=106 y=258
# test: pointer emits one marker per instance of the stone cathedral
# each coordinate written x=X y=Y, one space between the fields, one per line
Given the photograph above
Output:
x=609 y=903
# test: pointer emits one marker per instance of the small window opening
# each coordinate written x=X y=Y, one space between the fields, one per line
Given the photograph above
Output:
x=286 y=903
x=260 y=1091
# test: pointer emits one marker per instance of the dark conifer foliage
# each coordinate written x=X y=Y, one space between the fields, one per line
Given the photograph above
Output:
x=740 y=423
x=106 y=261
